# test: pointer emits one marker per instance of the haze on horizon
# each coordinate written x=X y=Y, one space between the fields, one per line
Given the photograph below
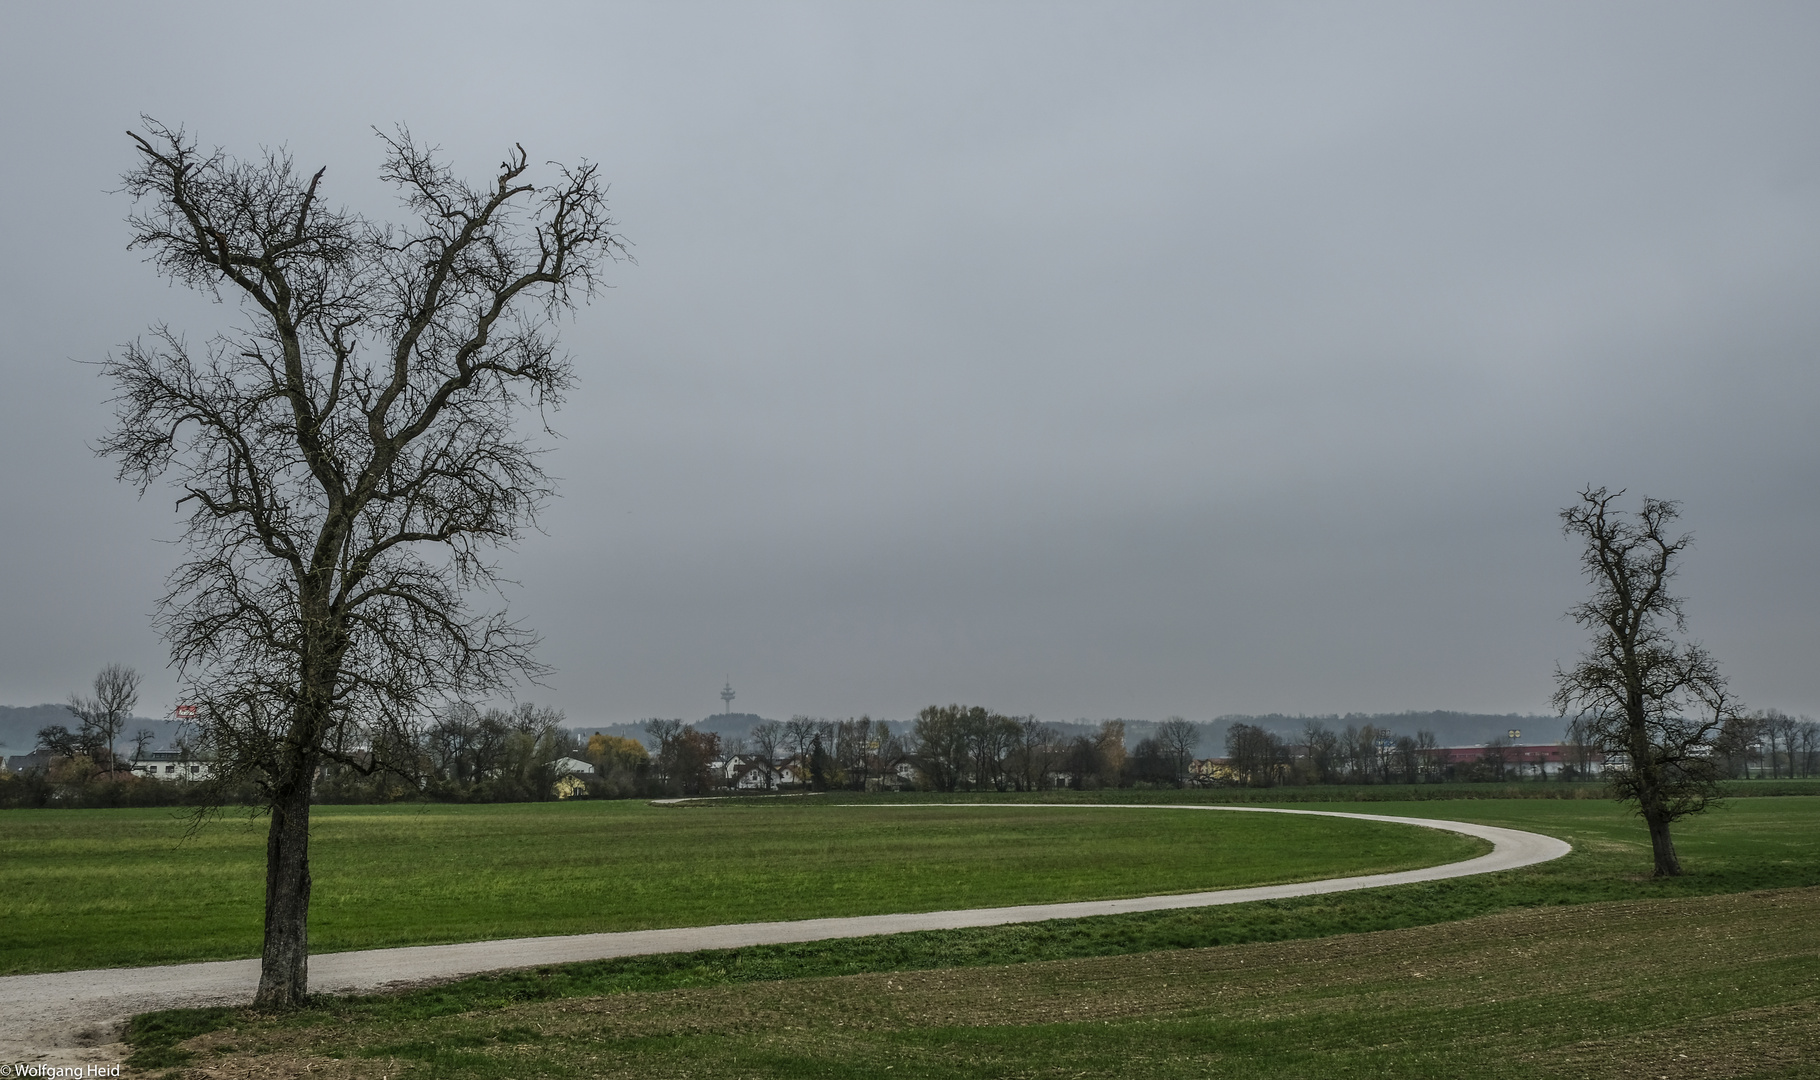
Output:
x=1072 y=360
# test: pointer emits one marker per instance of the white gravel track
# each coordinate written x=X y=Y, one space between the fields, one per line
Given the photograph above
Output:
x=73 y=1017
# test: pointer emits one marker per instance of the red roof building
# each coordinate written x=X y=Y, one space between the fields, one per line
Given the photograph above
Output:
x=1544 y=758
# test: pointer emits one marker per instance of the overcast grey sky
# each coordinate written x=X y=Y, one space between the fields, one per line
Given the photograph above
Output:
x=1083 y=360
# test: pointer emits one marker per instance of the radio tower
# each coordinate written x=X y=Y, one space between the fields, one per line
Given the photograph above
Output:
x=726 y=695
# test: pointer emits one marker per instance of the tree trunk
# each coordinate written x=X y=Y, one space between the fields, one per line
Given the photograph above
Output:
x=1667 y=863
x=284 y=965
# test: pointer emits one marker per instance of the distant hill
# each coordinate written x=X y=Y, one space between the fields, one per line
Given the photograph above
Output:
x=19 y=726
x=726 y=725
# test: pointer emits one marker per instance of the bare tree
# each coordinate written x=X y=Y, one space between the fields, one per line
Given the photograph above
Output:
x=105 y=713
x=799 y=732
x=889 y=751
x=459 y=746
x=60 y=741
x=1109 y=747
x=1809 y=742
x=1494 y=761
x=1766 y=735
x=1408 y=756
x=685 y=758
x=348 y=453
x=1655 y=703
x=1364 y=758
x=1033 y=754
x=855 y=750
x=1177 y=739
x=1324 y=751
x=767 y=741
x=658 y=734
x=1428 y=752
x=989 y=737
x=1779 y=730
x=1258 y=756
x=1580 y=746
x=142 y=739
x=942 y=752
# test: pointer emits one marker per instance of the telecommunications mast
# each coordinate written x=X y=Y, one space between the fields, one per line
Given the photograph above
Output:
x=726 y=695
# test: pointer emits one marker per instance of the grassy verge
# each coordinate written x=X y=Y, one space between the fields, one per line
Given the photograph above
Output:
x=1751 y=845
x=1689 y=987
x=103 y=888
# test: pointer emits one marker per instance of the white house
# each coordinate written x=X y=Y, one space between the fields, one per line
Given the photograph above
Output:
x=755 y=777
x=172 y=765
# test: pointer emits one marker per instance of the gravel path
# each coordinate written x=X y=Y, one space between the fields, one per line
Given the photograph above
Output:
x=74 y=1017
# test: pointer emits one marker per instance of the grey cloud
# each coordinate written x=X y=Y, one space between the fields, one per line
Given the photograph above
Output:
x=1078 y=360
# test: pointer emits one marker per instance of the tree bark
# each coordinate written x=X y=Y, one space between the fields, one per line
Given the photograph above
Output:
x=284 y=965
x=1668 y=864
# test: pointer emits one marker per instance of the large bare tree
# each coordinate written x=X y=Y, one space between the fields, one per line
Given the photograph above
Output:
x=349 y=451
x=1654 y=702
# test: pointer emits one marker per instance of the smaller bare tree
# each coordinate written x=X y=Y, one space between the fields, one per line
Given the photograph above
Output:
x=767 y=741
x=59 y=741
x=1809 y=735
x=1033 y=754
x=1428 y=749
x=1323 y=751
x=989 y=737
x=105 y=713
x=941 y=746
x=658 y=734
x=141 y=740
x=1654 y=702
x=888 y=752
x=1580 y=746
x=1177 y=738
x=799 y=732
x=1780 y=730
x=1495 y=760
x=1408 y=756
x=1259 y=757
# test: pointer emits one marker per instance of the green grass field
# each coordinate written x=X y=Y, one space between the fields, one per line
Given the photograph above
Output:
x=102 y=888
x=1579 y=967
x=1704 y=987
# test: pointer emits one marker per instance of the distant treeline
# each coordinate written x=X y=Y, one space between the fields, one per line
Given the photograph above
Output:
x=19 y=725
x=527 y=753
x=1450 y=728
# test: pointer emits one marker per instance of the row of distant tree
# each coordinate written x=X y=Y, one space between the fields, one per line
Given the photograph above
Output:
x=1767 y=744
x=1373 y=754
x=1773 y=743
x=524 y=753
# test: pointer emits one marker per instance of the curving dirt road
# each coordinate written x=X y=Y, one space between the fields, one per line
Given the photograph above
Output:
x=74 y=1017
